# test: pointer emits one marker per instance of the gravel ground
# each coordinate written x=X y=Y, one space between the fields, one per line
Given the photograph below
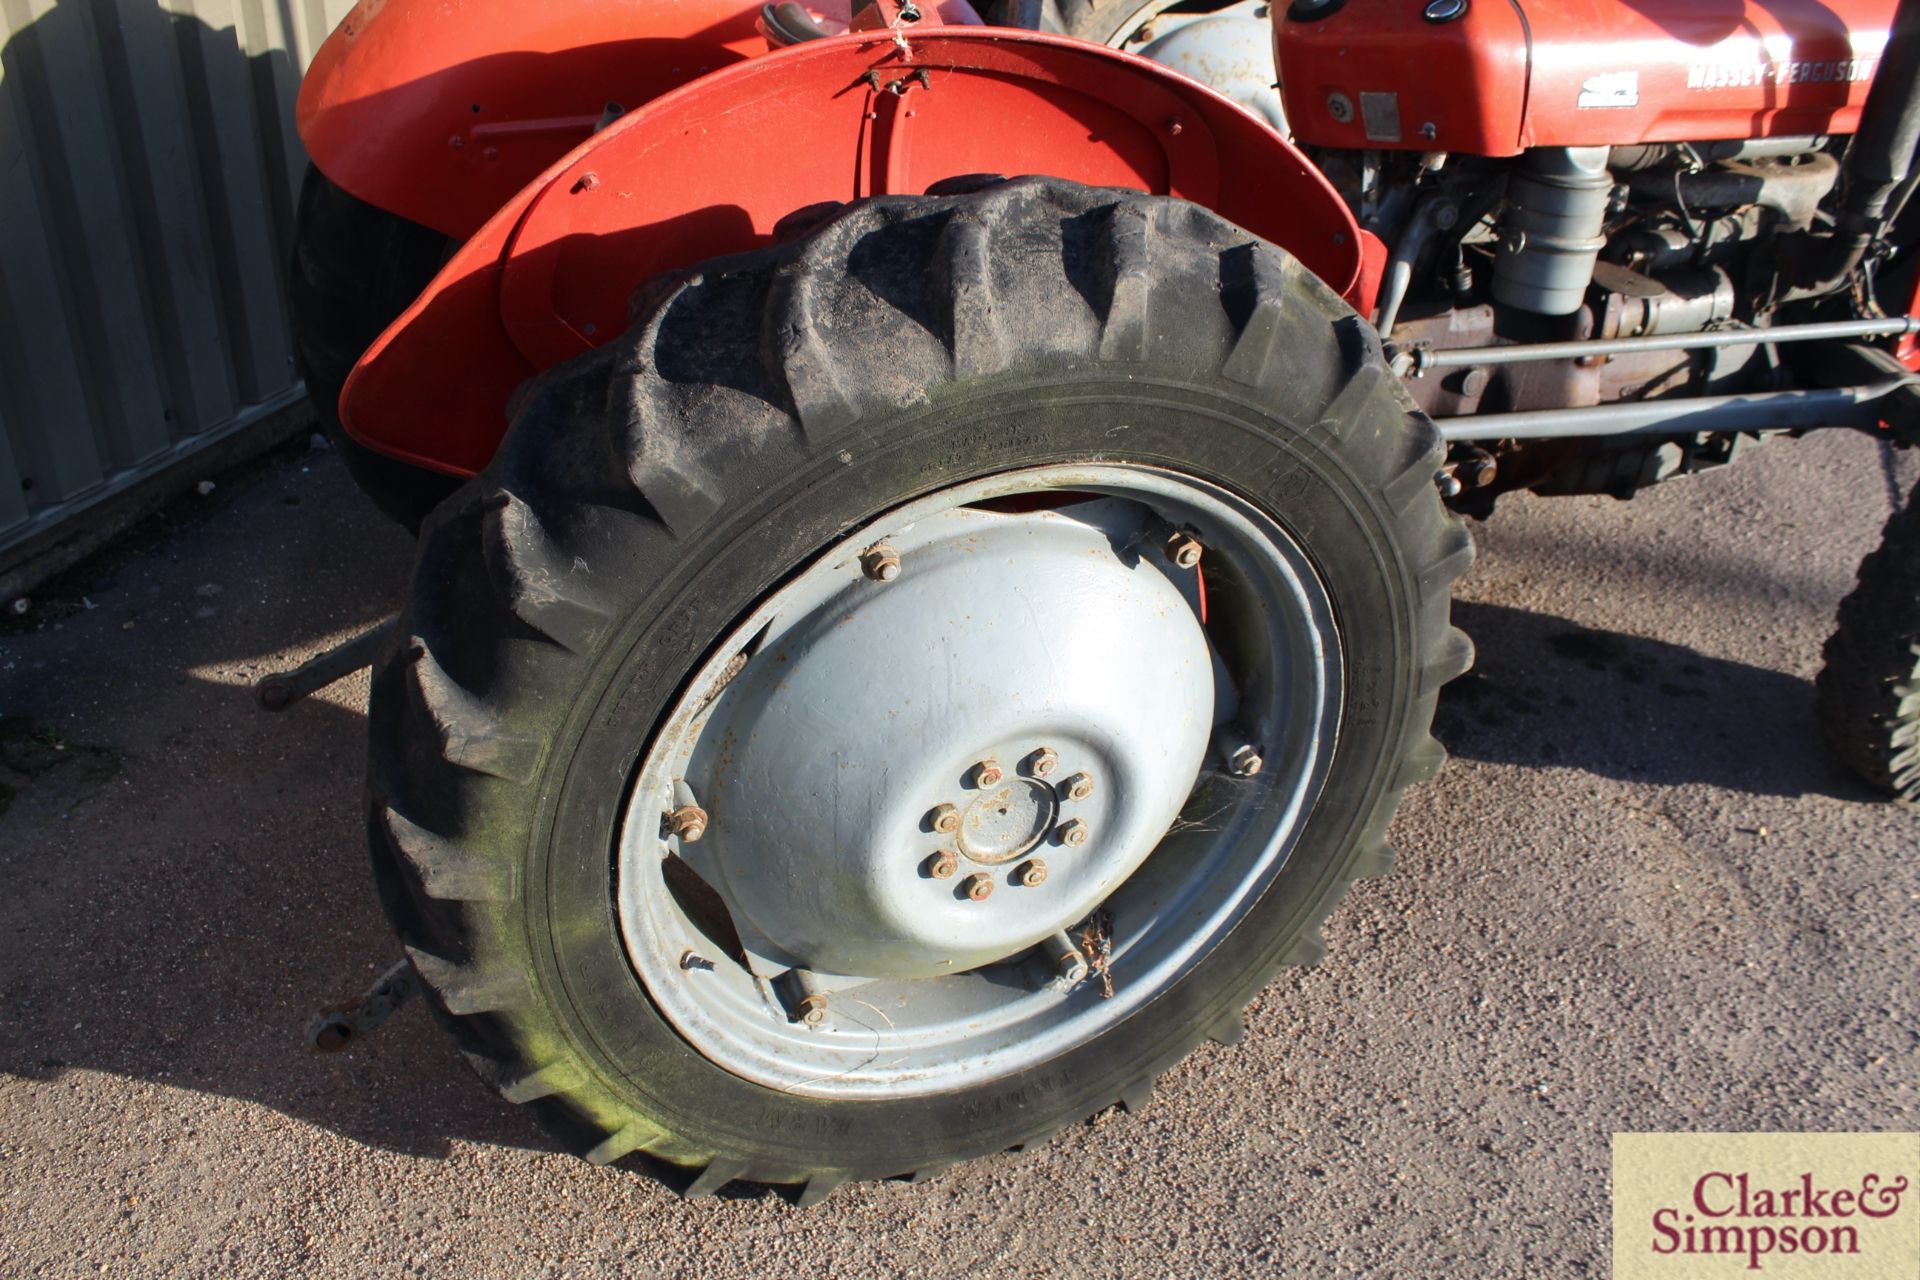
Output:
x=1640 y=897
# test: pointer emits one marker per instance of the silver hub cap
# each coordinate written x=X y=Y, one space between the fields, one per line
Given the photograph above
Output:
x=923 y=786
x=845 y=731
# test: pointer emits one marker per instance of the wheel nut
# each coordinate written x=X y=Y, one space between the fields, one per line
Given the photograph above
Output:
x=1030 y=874
x=944 y=819
x=881 y=563
x=813 y=1009
x=1068 y=963
x=1077 y=787
x=943 y=864
x=689 y=822
x=1042 y=762
x=1184 y=550
x=1244 y=762
x=978 y=886
x=1073 y=833
x=987 y=773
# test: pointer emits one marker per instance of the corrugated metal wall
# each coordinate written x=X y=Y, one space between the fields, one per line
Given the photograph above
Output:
x=148 y=169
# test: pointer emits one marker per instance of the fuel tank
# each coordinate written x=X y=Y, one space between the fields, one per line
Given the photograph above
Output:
x=1494 y=77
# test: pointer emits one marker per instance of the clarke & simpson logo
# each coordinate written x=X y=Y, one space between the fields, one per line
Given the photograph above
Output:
x=1792 y=1205
x=1728 y=1215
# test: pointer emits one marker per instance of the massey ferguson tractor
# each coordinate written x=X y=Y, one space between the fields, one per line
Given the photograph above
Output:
x=936 y=527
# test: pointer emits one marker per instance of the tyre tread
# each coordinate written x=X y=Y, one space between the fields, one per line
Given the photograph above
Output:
x=1868 y=691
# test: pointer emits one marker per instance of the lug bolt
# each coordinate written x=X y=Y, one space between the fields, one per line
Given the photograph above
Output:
x=1068 y=963
x=1030 y=874
x=978 y=886
x=944 y=819
x=1072 y=833
x=1077 y=787
x=881 y=563
x=1244 y=762
x=943 y=864
x=1042 y=762
x=813 y=1009
x=1183 y=549
x=987 y=773
x=689 y=822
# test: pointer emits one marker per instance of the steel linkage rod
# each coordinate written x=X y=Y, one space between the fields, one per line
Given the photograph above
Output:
x=1520 y=353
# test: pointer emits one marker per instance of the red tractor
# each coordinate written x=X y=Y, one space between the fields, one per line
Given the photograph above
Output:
x=936 y=537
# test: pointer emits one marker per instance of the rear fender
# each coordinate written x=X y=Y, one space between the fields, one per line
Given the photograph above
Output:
x=439 y=110
x=709 y=170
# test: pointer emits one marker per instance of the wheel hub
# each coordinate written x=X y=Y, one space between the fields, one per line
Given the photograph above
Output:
x=1007 y=821
x=831 y=752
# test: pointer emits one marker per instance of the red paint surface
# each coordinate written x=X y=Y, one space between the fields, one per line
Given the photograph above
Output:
x=439 y=110
x=710 y=168
x=1512 y=74
x=1365 y=294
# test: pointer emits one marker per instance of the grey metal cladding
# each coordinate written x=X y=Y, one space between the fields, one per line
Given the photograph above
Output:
x=148 y=172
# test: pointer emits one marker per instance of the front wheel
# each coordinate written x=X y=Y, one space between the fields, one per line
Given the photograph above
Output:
x=1868 y=692
x=914 y=686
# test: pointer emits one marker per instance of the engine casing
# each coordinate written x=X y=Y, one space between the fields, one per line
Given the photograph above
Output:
x=1506 y=75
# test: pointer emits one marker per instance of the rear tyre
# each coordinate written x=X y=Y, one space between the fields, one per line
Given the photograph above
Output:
x=1869 y=690
x=830 y=526
x=355 y=269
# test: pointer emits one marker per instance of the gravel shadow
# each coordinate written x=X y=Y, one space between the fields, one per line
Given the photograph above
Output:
x=1549 y=692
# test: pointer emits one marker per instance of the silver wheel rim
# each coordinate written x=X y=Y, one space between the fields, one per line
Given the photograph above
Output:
x=778 y=877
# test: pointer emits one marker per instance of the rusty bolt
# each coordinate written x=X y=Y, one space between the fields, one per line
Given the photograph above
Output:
x=1042 y=762
x=813 y=1009
x=987 y=773
x=1073 y=833
x=881 y=563
x=943 y=864
x=978 y=886
x=1077 y=787
x=944 y=818
x=1244 y=762
x=1184 y=549
x=1030 y=874
x=689 y=822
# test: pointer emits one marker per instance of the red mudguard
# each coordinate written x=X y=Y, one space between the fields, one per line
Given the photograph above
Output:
x=439 y=110
x=710 y=168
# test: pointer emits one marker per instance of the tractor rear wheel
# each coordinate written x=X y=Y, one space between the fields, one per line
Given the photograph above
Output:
x=914 y=686
x=355 y=268
x=1868 y=693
